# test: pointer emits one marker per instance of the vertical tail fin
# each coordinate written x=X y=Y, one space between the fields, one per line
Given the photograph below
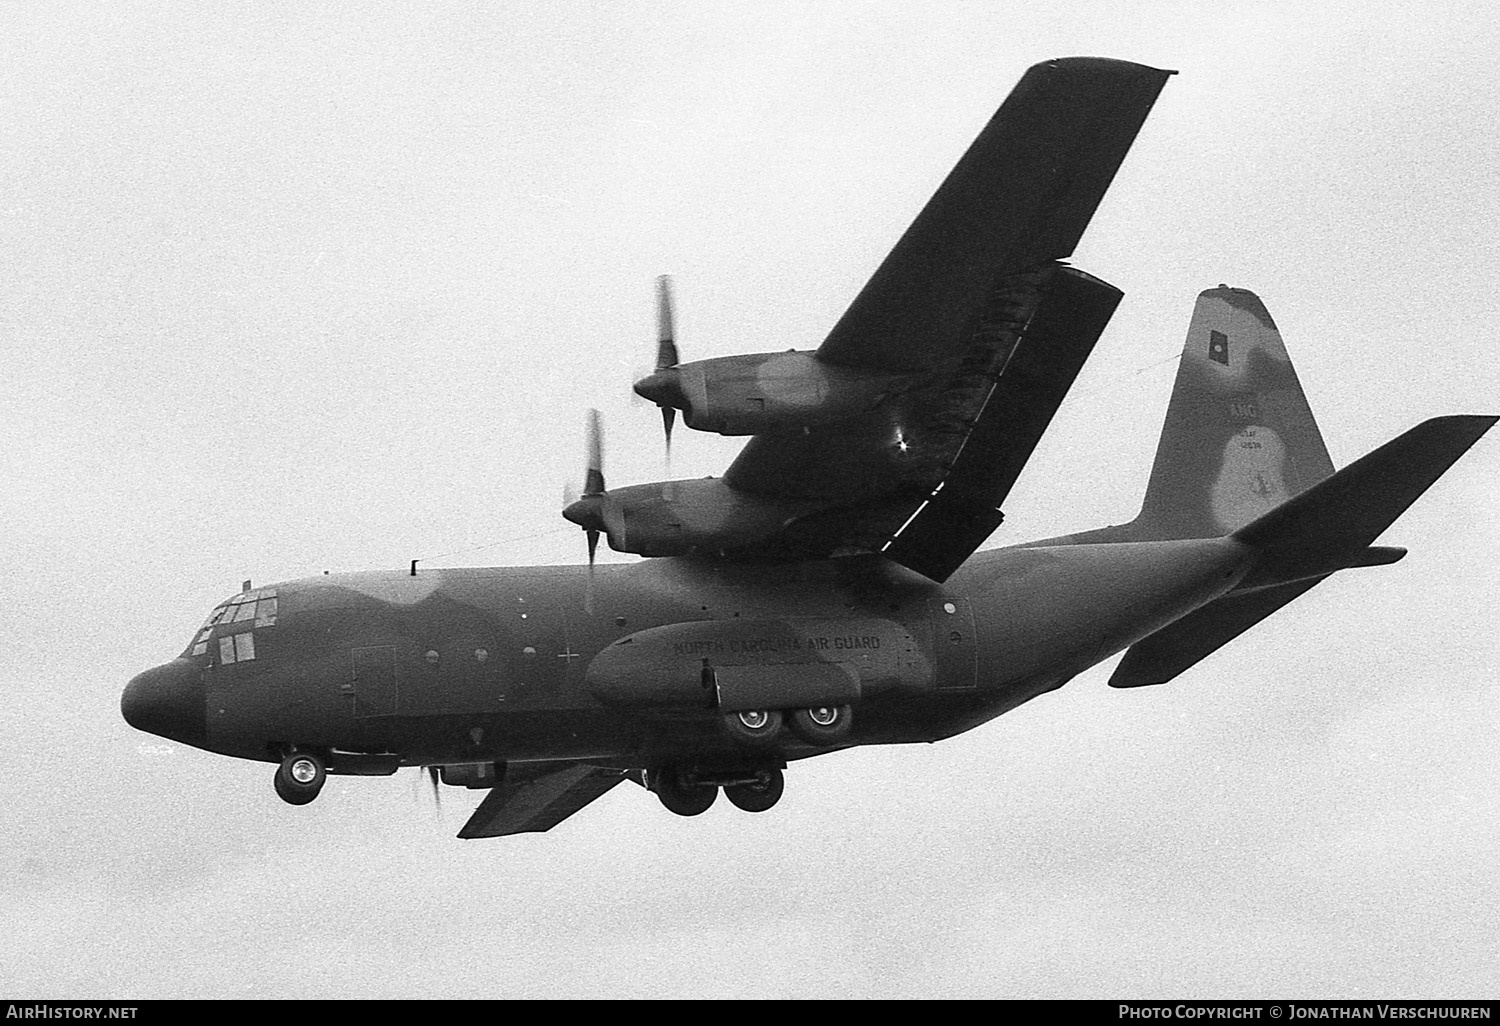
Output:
x=1239 y=437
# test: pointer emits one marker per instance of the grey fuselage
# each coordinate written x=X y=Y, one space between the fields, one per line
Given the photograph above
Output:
x=490 y=665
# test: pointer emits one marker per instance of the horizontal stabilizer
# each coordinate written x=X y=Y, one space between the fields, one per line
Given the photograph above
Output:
x=1349 y=510
x=1375 y=555
x=531 y=803
x=1159 y=657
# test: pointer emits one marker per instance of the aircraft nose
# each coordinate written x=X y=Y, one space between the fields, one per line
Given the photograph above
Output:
x=169 y=701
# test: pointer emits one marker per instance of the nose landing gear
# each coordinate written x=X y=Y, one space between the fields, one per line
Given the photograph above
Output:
x=299 y=778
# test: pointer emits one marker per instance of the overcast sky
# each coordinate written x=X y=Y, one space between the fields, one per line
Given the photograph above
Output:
x=284 y=290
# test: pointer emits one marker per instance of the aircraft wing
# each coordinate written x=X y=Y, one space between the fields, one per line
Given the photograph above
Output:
x=1020 y=197
x=975 y=304
x=535 y=800
x=922 y=477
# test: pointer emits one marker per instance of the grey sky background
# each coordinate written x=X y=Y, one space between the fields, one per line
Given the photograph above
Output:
x=287 y=288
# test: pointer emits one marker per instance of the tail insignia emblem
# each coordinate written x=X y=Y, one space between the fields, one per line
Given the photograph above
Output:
x=1218 y=347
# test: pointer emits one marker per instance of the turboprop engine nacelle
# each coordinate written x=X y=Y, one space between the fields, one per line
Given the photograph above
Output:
x=766 y=392
x=736 y=665
x=679 y=518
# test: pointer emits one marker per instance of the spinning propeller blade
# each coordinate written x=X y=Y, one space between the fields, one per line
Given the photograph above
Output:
x=593 y=511
x=666 y=359
x=666 y=332
x=593 y=476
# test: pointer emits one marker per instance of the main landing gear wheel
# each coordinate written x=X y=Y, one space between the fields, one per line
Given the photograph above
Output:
x=682 y=798
x=754 y=726
x=299 y=778
x=759 y=796
x=824 y=724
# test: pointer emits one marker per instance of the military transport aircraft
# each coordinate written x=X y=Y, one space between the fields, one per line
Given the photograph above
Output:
x=824 y=593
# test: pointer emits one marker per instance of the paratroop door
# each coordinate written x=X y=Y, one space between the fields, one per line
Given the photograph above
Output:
x=953 y=643
x=374 y=681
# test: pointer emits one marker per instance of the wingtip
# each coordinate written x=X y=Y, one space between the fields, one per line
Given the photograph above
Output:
x=1103 y=64
x=1465 y=423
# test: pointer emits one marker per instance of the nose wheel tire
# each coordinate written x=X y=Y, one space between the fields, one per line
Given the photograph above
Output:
x=754 y=726
x=824 y=724
x=678 y=796
x=759 y=796
x=299 y=778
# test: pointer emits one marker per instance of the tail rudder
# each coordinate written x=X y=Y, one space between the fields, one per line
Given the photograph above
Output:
x=1239 y=437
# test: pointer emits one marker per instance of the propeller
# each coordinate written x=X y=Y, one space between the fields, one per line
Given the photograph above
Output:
x=593 y=511
x=437 y=798
x=666 y=349
x=664 y=386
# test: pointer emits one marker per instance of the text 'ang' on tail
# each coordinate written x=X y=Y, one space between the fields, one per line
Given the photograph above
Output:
x=1239 y=437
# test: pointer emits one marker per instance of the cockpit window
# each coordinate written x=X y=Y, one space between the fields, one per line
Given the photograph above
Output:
x=251 y=608
x=259 y=605
x=200 y=643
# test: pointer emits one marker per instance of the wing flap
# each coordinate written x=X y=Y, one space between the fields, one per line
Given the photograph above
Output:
x=1038 y=372
x=532 y=803
x=1021 y=196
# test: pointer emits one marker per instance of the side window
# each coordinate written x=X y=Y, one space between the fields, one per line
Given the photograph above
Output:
x=237 y=648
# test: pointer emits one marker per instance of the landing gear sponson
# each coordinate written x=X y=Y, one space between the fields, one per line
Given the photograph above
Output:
x=690 y=791
x=820 y=726
x=687 y=791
